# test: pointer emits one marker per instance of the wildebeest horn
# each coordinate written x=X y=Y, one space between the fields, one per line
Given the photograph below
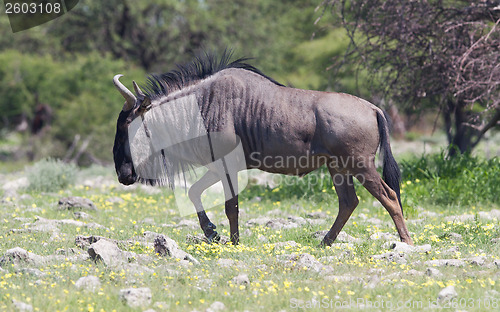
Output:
x=129 y=96
x=138 y=90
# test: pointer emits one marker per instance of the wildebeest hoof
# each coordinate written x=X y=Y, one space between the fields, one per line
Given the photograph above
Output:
x=213 y=238
x=324 y=244
x=211 y=226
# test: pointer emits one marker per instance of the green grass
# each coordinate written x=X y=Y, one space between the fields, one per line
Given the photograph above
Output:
x=275 y=286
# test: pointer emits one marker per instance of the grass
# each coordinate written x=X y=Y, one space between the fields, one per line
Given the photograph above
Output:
x=275 y=286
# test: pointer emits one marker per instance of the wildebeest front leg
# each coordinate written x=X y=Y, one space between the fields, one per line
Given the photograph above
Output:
x=232 y=215
x=209 y=179
x=348 y=201
x=230 y=184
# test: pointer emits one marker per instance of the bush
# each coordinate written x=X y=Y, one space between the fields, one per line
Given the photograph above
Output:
x=464 y=179
x=430 y=179
x=78 y=88
x=50 y=175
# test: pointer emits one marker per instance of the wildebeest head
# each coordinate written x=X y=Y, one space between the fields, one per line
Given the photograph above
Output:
x=134 y=106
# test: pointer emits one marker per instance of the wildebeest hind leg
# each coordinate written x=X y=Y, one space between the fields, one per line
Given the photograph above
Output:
x=388 y=198
x=195 y=191
x=347 y=203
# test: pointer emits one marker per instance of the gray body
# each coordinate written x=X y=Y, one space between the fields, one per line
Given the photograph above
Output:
x=274 y=123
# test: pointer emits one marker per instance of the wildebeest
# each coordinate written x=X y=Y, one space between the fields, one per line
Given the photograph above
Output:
x=272 y=122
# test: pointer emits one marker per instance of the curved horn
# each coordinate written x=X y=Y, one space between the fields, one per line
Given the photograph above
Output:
x=129 y=96
x=138 y=90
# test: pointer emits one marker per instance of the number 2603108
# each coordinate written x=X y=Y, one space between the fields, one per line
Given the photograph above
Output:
x=32 y=8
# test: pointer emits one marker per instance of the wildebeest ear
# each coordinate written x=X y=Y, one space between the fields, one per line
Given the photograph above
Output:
x=145 y=103
x=138 y=90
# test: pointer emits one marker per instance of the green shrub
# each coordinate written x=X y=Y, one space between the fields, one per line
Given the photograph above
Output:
x=78 y=88
x=430 y=179
x=462 y=180
x=50 y=175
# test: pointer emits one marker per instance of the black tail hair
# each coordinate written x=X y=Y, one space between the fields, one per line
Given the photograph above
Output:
x=390 y=173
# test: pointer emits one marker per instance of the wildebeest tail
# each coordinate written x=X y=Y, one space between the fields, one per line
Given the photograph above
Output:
x=390 y=172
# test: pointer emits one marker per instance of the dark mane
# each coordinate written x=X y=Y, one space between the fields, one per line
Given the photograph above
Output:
x=202 y=66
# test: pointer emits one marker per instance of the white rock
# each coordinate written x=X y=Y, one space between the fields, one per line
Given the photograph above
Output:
x=263 y=239
x=82 y=215
x=459 y=218
x=88 y=283
x=374 y=221
x=76 y=202
x=317 y=215
x=18 y=255
x=257 y=221
x=306 y=260
x=216 y=306
x=32 y=271
x=136 y=297
x=476 y=260
x=165 y=246
x=383 y=236
x=344 y=237
x=428 y=214
x=392 y=256
x=455 y=237
x=11 y=187
x=433 y=272
x=490 y=215
x=285 y=244
x=401 y=247
x=298 y=220
x=451 y=250
x=188 y=223
x=447 y=294
x=241 y=279
x=21 y=306
x=280 y=223
x=225 y=262
x=424 y=248
x=342 y=278
x=107 y=252
x=414 y=272
x=320 y=234
x=445 y=262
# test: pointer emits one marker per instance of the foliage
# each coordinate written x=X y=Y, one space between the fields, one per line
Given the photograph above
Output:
x=309 y=65
x=432 y=179
x=51 y=175
x=438 y=55
x=157 y=34
x=78 y=89
x=461 y=180
x=68 y=63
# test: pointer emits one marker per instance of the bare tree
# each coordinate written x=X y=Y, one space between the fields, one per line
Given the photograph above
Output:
x=430 y=54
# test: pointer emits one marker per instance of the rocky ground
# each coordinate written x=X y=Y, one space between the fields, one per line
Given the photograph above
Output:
x=101 y=246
